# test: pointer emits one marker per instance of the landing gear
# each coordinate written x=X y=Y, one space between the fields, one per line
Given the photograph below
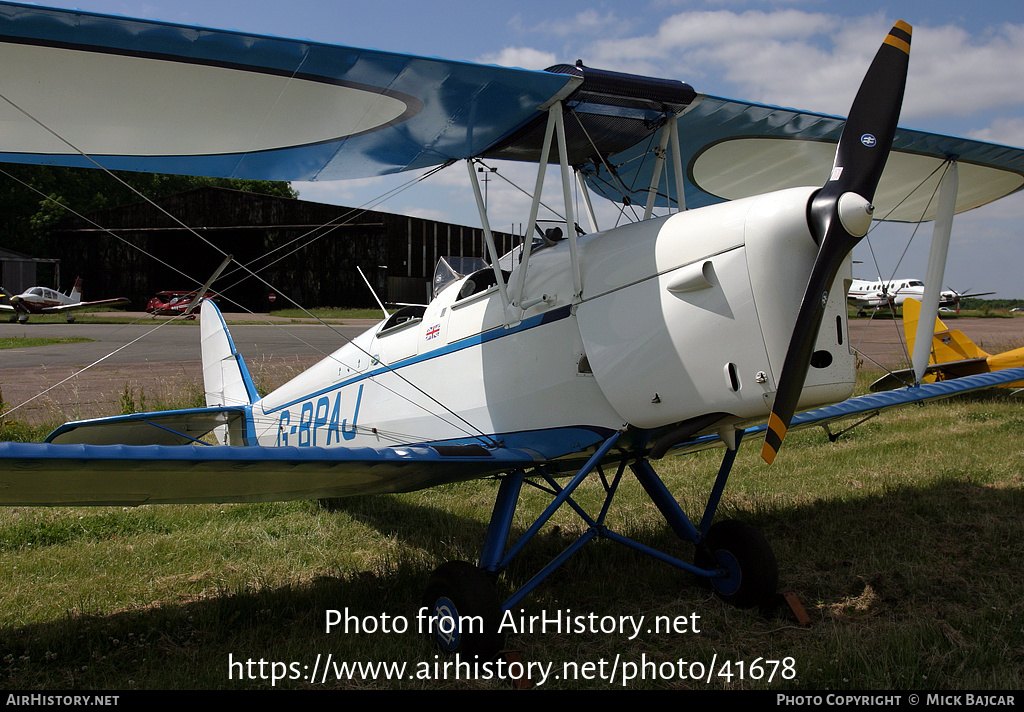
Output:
x=461 y=600
x=737 y=547
x=464 y=610
x=731 y=555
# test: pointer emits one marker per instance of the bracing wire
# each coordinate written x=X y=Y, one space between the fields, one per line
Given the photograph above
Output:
x=479 y=433
x=942 y=167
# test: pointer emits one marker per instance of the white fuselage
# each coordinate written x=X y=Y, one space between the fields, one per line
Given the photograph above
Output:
x=679 y=317
x=38 y=299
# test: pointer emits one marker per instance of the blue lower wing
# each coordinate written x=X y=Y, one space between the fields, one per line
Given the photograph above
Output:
x=875 y=403
x=53 y=474
x=130 y=475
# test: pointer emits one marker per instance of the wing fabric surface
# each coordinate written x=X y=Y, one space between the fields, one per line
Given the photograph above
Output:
x=156 y=97
x=874 y=403
x=169 y=427
x=735 y=149
x=51 y=474
x=125 y=475
x=878 y=402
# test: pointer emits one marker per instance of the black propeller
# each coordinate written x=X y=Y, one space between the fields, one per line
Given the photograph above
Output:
x=840 y=213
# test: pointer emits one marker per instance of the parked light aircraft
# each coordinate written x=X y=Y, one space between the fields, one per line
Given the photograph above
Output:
x=892 y=293
x=172 y=303
x=43 y=300
x=576 y=351
x=953 y=355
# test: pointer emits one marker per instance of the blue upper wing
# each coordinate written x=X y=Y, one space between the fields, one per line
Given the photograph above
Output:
x=156 y=97
x=735 y=149
x=83 y=89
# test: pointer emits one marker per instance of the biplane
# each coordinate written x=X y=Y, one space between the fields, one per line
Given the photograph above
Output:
x=581 y=351
x=952 y=355
x=176 y=303
x=43 y=300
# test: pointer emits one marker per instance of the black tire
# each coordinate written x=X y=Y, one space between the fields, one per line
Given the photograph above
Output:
x=740 y=548
x=460 y=592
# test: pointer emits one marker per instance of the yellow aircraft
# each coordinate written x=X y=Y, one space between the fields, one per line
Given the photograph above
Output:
x=952 y=355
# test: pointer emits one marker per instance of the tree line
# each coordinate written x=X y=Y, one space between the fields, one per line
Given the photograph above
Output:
x=33 y=199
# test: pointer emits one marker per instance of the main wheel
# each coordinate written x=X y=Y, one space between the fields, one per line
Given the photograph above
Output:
x=464 y=612
x=738 y=547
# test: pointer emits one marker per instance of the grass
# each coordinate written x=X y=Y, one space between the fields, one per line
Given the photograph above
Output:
x=903 y=540
x=25 y=342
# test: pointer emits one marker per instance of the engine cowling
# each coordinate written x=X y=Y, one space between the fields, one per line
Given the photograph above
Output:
x=692 y=314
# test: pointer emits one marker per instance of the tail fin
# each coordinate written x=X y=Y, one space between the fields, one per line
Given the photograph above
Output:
x=76 y=291
x=226 y=379
x=947 y=344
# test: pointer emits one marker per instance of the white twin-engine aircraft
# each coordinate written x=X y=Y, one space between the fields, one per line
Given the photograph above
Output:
x=890 y=293
x=578 y=351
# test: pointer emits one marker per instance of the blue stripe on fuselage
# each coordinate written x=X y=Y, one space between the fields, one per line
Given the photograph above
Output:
x=469 y=342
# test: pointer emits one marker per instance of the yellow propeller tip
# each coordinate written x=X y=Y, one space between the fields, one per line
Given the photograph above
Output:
x=899 y=37
x=773 y=437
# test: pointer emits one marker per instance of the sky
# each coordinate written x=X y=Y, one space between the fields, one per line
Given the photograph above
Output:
x=964 y=79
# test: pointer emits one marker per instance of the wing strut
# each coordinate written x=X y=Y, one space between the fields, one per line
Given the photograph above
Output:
x=669 y=141
x=554 y=131
x=206 y=287
x=933 y=280
x=570 y=219
x=492 y=251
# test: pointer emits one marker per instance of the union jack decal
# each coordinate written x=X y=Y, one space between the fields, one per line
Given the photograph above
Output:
x=433 y=331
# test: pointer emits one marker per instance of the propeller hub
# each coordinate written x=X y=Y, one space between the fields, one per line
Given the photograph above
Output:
x=855 y=213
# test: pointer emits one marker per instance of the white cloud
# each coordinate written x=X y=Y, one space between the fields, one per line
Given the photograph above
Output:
x=1007 y=131
x=588 y=22
x=816 y=61
x=774 y=57
x=953 y=73
x=523 y=57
